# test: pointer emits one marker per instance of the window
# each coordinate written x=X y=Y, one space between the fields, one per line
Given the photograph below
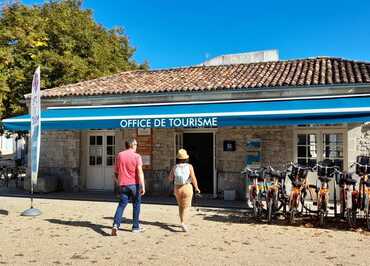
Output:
x=307 y=149
x=102 y=150
x=111 y=150
x=96 y=150
x=315 y=145
x=333 y=148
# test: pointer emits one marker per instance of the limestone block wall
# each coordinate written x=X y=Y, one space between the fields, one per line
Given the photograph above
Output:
x=358 y=141
x=60 y=157
x=163 y=148
x=277 y=149
x=162 y=161
x=61 y=153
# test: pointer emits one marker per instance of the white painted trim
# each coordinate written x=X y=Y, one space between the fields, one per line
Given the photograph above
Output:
x=187 y=115
x=208 y=102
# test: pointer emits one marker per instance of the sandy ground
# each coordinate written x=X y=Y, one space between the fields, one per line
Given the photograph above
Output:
x=77 y=233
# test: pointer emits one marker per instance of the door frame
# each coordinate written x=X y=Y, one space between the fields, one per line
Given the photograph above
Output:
x=213 y=132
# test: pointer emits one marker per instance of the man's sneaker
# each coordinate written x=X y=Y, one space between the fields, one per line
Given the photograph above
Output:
x=185 y=228
x=138 y=230
x=114 y=231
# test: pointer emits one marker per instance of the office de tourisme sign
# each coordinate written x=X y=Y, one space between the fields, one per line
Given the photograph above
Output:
x=169 y=122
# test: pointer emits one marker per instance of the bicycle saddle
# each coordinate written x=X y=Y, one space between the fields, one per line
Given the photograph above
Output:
x=350 y=181
x=364 y=167
x=254 y=175
x=324 y=178
x=279 y=175
x=297 y=183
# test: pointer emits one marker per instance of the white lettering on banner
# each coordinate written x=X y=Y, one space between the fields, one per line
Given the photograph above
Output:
x=170 y=122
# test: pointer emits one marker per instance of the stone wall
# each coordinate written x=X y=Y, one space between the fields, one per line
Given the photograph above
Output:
x=277 y=149
x=60 y=157
x=162 y=161
x=358 y=141
x=277 y=145
x=61 y=153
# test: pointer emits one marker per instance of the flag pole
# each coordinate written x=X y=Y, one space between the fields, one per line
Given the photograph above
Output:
x=35 y=138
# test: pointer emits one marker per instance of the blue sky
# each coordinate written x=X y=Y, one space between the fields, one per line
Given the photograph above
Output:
x=180 y=33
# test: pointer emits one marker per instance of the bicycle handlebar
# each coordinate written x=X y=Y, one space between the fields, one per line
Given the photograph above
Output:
x=325 y=166
x=299 y=166
x=356 y=163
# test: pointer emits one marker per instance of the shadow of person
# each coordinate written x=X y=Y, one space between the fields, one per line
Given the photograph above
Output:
x=4 y=212
x=96 y=227
x=169 y=227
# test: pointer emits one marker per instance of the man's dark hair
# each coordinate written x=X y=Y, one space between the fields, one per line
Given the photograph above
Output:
x=129 y=143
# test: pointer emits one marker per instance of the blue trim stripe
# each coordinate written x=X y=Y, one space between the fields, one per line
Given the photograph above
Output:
x=286 y=112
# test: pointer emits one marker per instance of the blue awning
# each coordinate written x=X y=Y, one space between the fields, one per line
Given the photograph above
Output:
x=330 y=110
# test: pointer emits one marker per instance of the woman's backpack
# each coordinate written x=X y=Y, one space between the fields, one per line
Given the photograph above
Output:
x=182 y=174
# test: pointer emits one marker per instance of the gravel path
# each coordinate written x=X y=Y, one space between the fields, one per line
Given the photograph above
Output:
x=77 y=233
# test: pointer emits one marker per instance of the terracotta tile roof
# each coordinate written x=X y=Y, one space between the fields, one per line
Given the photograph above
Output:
x=291 y=73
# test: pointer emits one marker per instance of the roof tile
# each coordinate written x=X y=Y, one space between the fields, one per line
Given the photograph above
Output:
x=291 y=73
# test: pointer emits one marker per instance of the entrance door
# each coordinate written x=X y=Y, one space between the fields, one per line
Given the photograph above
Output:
x=100 y=158
x=200 y=149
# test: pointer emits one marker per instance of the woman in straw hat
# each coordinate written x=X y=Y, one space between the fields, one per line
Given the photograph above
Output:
x=183 y=176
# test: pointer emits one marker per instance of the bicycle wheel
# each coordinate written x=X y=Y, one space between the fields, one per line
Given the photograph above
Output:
x=3 y=178
x=349 y=218
x=255 y=209
x=354 y=217
x=292 y=216
x=269 y=210
x=321 y=212
x=321 y=218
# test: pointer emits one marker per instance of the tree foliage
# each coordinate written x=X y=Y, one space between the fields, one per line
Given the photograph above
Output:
x=64 y=40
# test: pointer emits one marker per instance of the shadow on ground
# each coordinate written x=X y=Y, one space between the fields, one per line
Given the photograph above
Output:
x=304 y=221
x=101 y=229
x=165 y=226
x=96 y=227
x=4 y=212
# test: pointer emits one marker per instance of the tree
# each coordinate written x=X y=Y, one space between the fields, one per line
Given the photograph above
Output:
x=64 y=40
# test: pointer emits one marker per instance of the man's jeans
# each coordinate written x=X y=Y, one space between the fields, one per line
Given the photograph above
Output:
x=130 y=192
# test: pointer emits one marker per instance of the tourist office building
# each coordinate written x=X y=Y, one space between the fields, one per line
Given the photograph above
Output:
x=226 y=116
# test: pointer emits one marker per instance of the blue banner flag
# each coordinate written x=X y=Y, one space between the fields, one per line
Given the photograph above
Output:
x=35 y=126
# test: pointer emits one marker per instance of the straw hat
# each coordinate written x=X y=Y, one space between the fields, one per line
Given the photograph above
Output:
x=182 y=154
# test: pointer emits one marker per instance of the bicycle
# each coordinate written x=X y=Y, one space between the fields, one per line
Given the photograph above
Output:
x=325 y=173
x=275 y=193
x=7 y=174
x=298 y=177
x=367 y=204
x=348 y=197
x=255 y=189
x=363 y=170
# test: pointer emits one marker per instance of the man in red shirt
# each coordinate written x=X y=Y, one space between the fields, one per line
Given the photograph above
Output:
x=129 y=176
